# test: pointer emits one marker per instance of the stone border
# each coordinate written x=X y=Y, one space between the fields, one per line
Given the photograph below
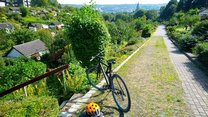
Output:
x=80 y=101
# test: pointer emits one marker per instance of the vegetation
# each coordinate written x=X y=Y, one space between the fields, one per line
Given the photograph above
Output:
x=31 y=106
x=187 y=27
x=86 y=32
x=156 y=92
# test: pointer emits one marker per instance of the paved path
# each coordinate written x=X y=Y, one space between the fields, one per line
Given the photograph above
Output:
x=194 y=81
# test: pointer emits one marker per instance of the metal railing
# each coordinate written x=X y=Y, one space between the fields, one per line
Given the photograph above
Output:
x=59 y=69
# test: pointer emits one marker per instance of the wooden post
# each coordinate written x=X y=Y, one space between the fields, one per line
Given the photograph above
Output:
x=25 y=91
x=64 y=80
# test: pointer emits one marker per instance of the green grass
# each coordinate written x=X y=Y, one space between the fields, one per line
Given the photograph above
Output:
x=36 y=19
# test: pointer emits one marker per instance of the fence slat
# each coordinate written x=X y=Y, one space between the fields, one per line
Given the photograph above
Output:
x=34 y=80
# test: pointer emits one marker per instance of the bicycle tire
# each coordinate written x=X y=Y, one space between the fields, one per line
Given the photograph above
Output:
x=120 y=93
x=94 y=76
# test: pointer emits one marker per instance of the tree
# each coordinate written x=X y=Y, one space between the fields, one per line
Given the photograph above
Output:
x=88 y=34
x=123 y=16
x=24 y=11
x=24 y=35
x=140 y=23
x=151 y=14
x=45 y=36
x=139 y=13
x=44 y=3
x=190 y=20
x=181 y=5
x=169 y=10
x=6 y=42
x=108 y=16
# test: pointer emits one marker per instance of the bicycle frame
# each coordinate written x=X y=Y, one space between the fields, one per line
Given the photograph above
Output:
x=107 y=74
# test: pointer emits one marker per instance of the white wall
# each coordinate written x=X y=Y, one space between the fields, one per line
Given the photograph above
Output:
x=14 y=53
x=2 y=4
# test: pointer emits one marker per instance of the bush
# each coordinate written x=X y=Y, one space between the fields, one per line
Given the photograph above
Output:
x=201 y=50
x=175 y=35
x=30 y=107
x=132 y=41
x=19 y=70
x=171 y=28
x=146 y=32
x=88 y=34
x=201 y=29
x=187 y=42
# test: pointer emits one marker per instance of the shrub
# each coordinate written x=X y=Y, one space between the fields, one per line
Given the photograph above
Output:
x=187 y=42
x=132 y=41
x=88 y=34
x=201 y=50
x=171 y=28
x=19 y=70
x=30 y=107
x=146 y=32
x=201 y=29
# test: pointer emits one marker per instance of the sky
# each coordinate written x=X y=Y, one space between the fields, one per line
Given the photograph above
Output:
x=114 y=1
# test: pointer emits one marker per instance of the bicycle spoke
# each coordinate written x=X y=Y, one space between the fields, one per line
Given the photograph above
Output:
x=121 y=94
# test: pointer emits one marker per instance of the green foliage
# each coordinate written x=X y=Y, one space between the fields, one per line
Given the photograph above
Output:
x=169 y=10
x=30 y=107
x=15 y=16
x=108 y=16
x=45 y=36
x=187 y=42
x=190 y=20
x=88 y=34
x=151 y=14
x=6 y=42
x=140 y=23
x=132 y=41
x=3 y=17
x=186 y=5
x=60 y=41
x=24 y=11
x=77 y=79
x=123 y=16
x=44 y=3
x=201 y=29
x=19 y=70
x=24 y=35
x=146 y=32
x=139 y=13
x=201 y=50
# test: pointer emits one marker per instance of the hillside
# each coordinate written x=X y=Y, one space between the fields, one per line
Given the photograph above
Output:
x=113 y=8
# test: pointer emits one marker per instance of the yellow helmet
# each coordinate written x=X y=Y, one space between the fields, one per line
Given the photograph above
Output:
x=93 y=109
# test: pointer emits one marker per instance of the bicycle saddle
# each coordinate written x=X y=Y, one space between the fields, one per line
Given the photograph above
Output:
x=111 y=61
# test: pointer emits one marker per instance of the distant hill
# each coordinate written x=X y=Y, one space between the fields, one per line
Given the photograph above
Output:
x=113 y=8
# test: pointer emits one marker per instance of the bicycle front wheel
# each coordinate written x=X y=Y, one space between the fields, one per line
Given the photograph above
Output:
x=120 y=93
x=95 y=76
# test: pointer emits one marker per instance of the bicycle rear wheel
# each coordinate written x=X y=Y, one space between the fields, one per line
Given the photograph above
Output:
x=120 y=93
x=95 y=76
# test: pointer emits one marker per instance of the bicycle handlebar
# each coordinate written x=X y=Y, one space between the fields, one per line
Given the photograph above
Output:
x=93 y=57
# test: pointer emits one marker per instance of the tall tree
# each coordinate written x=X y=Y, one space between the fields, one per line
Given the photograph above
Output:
x=169 y=10
x=181 y=5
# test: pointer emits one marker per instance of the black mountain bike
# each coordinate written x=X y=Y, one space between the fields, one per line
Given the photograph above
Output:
x=113 y=82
